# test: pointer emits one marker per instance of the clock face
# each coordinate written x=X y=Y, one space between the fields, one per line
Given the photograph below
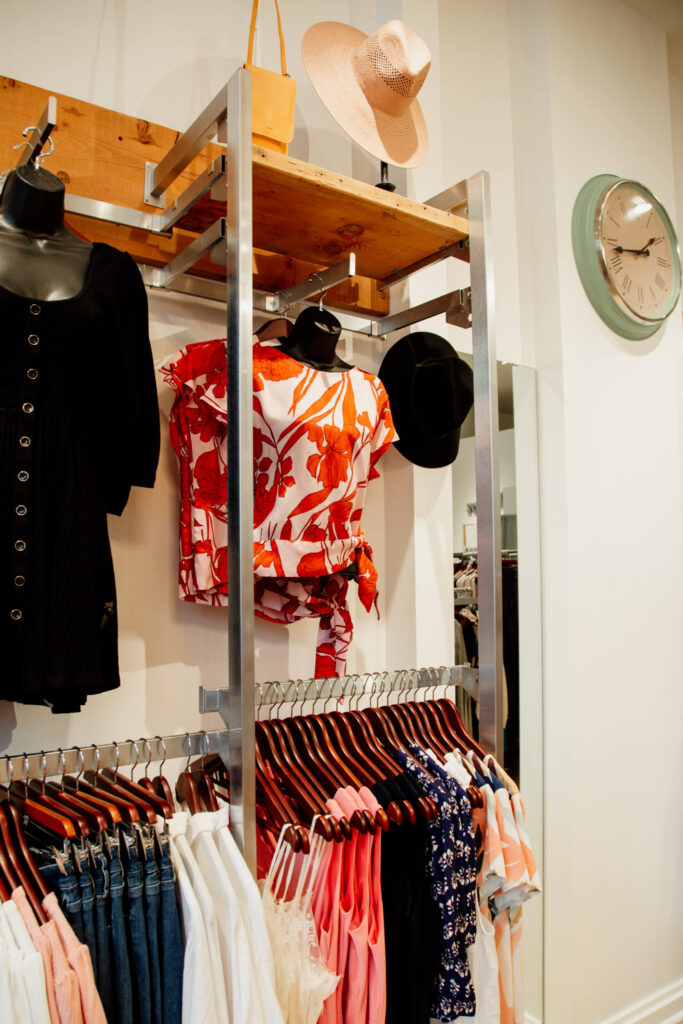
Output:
x=637 y=252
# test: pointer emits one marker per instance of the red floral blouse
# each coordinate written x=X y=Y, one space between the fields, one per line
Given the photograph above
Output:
x=317 y=438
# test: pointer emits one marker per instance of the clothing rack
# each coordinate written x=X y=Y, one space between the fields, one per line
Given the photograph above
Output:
x=355 y=687
x=77 y=759
x=229 y=241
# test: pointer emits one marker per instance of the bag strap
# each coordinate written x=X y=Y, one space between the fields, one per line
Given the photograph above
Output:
x=252 y=29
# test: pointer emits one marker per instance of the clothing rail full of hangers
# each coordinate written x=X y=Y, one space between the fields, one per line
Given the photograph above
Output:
x=115 y=754
x=368 y=684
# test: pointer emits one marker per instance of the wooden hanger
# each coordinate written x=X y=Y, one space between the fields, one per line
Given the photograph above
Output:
x=35 y=810
x=287 y=775
x=106 y=791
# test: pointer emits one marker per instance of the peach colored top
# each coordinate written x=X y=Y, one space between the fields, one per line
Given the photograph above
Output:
x=42 y=944
x=78 y=956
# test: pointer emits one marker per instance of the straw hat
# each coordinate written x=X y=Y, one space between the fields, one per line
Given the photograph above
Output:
x=369 y=85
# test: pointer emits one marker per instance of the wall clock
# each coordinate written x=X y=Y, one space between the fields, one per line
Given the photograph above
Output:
x=626 y=253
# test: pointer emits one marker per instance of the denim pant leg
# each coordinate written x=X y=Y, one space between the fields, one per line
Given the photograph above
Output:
x=68 y=892
x=171 y=942
x=103 y=976
x=88 y=911
x=137 y=930
x=119 y=945
x=153 y=909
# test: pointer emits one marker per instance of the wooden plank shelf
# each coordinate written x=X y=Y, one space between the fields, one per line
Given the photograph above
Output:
x=305 y=217
x=316 y=215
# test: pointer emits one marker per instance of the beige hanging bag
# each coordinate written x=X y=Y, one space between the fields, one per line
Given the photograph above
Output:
x=272 y=95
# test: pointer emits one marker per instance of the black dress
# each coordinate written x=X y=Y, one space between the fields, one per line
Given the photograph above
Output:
x=79 y=425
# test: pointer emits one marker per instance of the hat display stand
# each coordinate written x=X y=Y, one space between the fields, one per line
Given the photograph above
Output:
x=384 y=182
x=227 y=215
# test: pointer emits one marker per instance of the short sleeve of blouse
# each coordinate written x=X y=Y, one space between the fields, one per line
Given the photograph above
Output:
x=385 y=431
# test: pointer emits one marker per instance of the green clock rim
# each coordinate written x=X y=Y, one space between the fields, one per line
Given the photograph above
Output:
x=587 y=259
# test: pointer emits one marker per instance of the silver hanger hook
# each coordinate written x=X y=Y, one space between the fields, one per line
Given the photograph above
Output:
x=81 y=764
x=10 y=769
x=62 y=766
x=116 y=766
x=97 y=756
x=27 y=766
x=38 y=161
x=149 y=755
x=163 y=751
x=323 y=293
x=205 y=746
x=189 y=751
x=137 y=757
x=43 y=765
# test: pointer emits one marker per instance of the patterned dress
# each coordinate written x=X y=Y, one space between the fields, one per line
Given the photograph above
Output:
x=317 y=438
x=452 y=869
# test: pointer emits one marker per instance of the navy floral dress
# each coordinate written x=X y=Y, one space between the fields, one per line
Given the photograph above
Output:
x=452 y=871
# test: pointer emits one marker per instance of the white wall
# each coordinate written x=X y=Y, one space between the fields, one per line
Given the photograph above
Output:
x=592 y=94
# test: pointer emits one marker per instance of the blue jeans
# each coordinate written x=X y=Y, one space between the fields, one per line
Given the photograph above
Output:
x=152 y=904
x=171 y=941
x=137 y=930
x=119 y=942
x=68 y=890
x=88 y=909
x=103 y=975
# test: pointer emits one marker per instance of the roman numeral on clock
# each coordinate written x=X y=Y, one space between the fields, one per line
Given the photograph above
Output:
x=640 y=295
x=660 y=282
x=661 y=262
x=626 y=283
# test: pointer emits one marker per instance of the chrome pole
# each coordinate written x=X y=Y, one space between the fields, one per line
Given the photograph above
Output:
x=486 y=464
x=239 y=713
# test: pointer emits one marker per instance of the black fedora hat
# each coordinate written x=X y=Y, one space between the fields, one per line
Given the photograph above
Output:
x=431 y=391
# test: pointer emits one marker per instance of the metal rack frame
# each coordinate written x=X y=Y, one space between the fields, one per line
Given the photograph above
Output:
x=229 y=241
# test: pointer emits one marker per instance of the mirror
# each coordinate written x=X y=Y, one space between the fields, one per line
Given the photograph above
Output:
x=520 y=543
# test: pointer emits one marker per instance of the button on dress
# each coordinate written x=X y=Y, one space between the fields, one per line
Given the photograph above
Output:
x=79 y=425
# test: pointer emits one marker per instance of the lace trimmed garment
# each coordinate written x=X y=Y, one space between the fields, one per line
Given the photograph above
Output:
x=317 y=439
x=302 y=980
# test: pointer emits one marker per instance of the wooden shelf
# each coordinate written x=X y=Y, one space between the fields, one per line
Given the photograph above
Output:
x=305 y=217
x=318 y=216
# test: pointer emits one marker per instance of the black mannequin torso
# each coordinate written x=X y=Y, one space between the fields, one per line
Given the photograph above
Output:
x=39 y=257
x=313 y=340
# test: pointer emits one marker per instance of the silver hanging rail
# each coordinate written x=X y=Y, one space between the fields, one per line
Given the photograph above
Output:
x=128 y=752
x=370 y=684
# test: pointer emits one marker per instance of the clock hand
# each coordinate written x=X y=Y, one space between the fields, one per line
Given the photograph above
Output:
x=636 y=252
x=645 y=248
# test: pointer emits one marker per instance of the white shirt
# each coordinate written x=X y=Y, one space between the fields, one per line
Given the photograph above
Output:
x=241 y=983
x=199 y=1004
x=20 y=1010
x=251 y=910
x=177 y=828
x=33 y=968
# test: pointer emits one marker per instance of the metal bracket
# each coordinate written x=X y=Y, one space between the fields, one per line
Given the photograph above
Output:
x=202 y=130
x=40 y=134
x=460 y=312
x=150 y=198
x=320 y=281
x=163 y=277
x=454 y=304
x=460 y=250
x=451 y=198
